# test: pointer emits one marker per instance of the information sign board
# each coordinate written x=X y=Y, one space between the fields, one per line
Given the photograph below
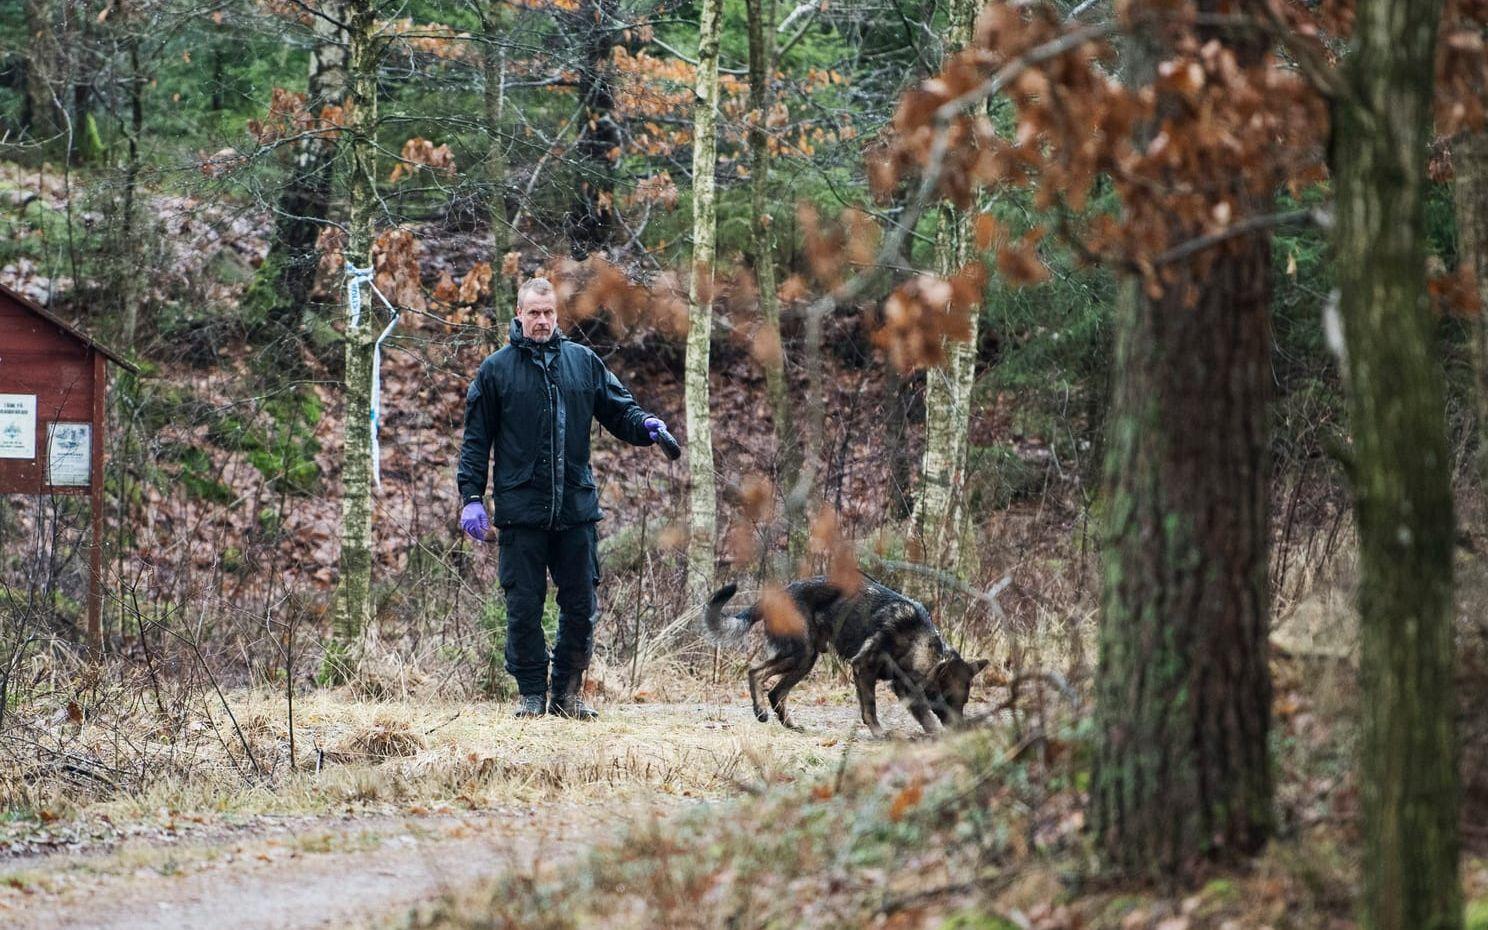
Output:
x=17 y=426
x=69 y=454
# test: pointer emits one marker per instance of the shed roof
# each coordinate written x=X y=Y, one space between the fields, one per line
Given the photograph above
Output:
x=66 y=327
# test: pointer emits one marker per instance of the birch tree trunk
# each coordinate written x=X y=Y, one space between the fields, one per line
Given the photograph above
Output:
x=1401 y=473
x=761 y=15
x=282 y=289
x=493 y=66
x=354 y=614
x=936 y=521
x=937 y=517
x=703 y=506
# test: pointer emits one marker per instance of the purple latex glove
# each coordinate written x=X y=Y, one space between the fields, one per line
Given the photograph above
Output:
x=474 y=522
x=653 y=426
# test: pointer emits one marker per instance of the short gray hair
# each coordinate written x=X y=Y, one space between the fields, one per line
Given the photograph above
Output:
x=533 y=286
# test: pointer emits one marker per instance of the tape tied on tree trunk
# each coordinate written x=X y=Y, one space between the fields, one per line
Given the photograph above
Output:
x=355 y=277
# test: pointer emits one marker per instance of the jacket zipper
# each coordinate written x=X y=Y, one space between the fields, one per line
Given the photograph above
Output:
x=553 y=448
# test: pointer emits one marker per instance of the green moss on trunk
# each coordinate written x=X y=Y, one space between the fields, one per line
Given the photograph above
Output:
x=1182 y=771
x=1403 y=499
x=354 y=613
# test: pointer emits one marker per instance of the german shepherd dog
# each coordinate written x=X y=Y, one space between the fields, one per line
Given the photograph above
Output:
x=882 y=634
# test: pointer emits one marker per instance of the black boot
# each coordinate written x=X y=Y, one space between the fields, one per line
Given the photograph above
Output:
x=531 y=705
x=566 y=702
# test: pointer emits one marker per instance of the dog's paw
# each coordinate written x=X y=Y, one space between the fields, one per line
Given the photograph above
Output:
x=790 y=724
x=763 y=716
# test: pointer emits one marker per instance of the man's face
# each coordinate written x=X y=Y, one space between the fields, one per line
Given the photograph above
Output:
x=539 y=316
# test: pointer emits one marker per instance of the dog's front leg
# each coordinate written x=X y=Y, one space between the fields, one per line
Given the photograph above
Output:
x=922 y=712
x=865 y=677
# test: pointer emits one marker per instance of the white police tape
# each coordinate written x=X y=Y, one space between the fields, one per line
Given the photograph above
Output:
x=355 y=277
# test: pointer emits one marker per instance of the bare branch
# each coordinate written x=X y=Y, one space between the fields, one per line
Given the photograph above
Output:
x=1314 y=216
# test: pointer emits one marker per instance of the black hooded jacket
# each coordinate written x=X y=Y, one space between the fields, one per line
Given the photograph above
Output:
x=531 y=403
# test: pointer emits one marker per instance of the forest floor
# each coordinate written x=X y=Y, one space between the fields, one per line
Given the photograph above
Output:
x=447 y=815
x=364 y=841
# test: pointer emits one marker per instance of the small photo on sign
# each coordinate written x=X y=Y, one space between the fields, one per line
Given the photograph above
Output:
x=17 y=426
x=69 y=454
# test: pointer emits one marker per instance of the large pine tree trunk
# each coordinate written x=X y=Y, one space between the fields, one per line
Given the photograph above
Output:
x=1182 y=772
x=288 y=272
x=354 y=614
x=703 y=505
x=591 y=218
x=1402 y=490
x=503 y=296
x=1470 y=163
x=761 y=16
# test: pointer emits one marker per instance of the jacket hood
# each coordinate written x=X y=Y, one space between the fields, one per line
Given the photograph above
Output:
x=518 y=339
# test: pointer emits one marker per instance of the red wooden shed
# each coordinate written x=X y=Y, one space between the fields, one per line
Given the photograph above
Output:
x=53 y=382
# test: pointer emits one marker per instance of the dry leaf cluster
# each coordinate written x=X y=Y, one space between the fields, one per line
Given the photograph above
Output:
x=781 y=615
x=419 y=152
x=288 y=116
x=926 y=311
x=828 y=540
x=595 y=285
x=473 y=288
x=395 y=260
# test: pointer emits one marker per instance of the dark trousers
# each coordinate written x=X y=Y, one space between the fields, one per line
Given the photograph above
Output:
x=526 y=559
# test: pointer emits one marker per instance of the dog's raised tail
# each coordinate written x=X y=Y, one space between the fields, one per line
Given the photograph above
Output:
x=722 y=630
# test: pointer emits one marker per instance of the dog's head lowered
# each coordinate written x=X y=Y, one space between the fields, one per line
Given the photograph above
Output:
x=951 y=680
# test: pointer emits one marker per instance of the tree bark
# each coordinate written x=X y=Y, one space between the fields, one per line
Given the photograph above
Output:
x=703 y=504
x=761 y=17
x=591 y=218
x=288 y=272
x=1182 y=773
x=1470 y=164
x=900 y=395
x=130 y=280
x=1402 y=489
x=43 y=116
x=936 y=523
x=87 y=145
x=354 y=608
x=493 y=66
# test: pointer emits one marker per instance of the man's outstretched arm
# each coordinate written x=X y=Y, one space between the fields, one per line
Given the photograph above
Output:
x=618 y=412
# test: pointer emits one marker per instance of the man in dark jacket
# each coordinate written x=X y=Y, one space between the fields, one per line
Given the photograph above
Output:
x=531 y=404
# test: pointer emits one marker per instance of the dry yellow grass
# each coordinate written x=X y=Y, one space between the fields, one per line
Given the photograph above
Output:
x=419 y=753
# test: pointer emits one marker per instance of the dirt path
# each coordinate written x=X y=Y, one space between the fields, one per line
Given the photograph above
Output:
x=324 y=874
x=354 y=871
